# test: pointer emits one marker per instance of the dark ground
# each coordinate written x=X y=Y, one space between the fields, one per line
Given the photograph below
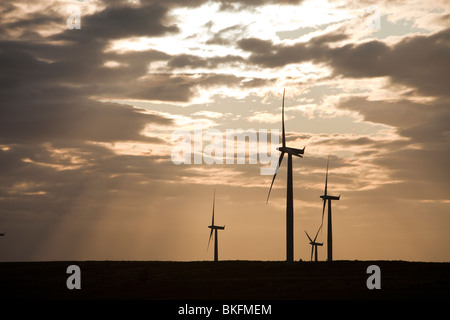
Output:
x=225 y=280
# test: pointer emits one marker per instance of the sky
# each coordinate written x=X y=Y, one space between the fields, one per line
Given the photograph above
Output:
x=93 y=91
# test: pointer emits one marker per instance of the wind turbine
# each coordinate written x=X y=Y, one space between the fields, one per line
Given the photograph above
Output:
x=314 y=245
x=289 y=193
x=214 y=229
x=326 y=197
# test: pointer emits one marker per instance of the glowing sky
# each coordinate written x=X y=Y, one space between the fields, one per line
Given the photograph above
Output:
x=87 y=116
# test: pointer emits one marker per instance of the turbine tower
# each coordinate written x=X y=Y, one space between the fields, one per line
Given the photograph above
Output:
x=289 y=193
x=214 y=229
x=326 y=197
x=314 y=245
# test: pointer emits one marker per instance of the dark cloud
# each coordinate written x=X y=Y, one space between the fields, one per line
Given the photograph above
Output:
x=78 y=119
x=121 y=22
x=423 y=123
x=33 y=21
x=256 y=45
x=230 y=5
x=422 y=158
x=44 y=101
x=191 y=61
x=174 y=87
x=419 y=62
x=348 y=141
x=269 y=55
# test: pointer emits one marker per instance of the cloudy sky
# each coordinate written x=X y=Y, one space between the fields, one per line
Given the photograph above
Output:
x=91 y=92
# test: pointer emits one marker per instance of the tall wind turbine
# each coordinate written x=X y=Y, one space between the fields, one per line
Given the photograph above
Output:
x=214 y=229
x=289 y=193
x=314 y=245
x=326 y=197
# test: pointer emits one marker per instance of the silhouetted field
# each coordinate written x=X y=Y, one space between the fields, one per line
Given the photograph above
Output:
x=234 y=280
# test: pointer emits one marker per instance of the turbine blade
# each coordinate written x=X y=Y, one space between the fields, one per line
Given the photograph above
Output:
x=308 y=236
x=312 y=250
x=282 y=119
x=316 y=235
x=323 y=213
x=210 y=236
x=214 y=201
x=276 y=171
x=326 y=178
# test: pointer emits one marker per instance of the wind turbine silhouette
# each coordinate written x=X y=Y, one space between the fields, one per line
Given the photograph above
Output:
x=326 y=197
x=289 y=193
x=214 y=229
x=314 y=245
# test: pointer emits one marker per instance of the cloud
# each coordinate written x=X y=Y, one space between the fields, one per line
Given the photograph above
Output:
x=121 y=22
x=420 y=161
x=265 y=118
x=417 y=61
x=79 y=120
x=191 y=61
x=226 y=36
x=209 y=114
x=422 y=123
x=267 y=54
x=45 y=101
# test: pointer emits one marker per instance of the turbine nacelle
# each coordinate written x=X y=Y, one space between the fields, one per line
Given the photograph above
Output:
x=293 y=151
x=217 y=227
x=327 y=197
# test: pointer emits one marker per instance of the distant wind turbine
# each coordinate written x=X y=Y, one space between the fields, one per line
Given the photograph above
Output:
x=214 y=229
x=326 y=197
x=314 y=245
x=289 y=193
